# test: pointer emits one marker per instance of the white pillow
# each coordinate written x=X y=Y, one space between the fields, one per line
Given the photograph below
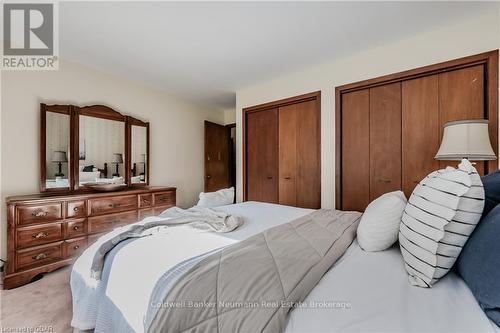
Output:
x=89 y=176
x=379 y=225
x=218 y=198
x=441 y=213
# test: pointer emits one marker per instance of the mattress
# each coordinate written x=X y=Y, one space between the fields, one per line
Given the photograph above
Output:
x=362 y=292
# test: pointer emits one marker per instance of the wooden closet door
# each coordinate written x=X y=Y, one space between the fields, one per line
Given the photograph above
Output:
x=385 y=139
x=262 y=156
x=299 y=151
x=288 y=125
x=461 y=96
x=309 y=155
x=421 y=130
x=355 y=150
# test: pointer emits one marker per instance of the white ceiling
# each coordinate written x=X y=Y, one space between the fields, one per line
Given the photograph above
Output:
x=205 y=51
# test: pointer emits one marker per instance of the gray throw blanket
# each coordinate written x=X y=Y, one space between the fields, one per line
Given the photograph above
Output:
x=201 y=218
x=252 y=285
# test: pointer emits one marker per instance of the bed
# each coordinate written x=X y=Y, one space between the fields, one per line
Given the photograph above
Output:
x=361 y=292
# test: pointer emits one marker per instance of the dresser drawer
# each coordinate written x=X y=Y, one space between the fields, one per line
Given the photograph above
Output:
x=75 y=246
x=76 y=209
x=108 y=222
x=75 y=228
x=112 y=204
x=164 y=199
x=39 y=256
x=39 y=234
x=143 y=213
x=145 y=200
x=39 y=213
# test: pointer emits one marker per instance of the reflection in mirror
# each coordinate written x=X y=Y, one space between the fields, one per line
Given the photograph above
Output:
x=139 y=155
x=56 y=150
x=101 y=153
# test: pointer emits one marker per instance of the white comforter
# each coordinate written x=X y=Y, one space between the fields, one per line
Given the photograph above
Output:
x=374 y=286
x=112 y=305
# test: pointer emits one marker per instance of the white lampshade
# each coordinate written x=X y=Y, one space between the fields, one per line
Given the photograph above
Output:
x=466 y=139
x=117 y=158
x=59 y=156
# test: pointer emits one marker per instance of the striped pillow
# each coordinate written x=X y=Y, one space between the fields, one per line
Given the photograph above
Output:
x=441 y=213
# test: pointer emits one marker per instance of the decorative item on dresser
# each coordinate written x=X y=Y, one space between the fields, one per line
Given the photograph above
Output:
x=45 y=232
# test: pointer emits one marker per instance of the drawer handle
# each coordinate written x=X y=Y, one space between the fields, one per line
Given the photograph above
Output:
x=40 y=256
x=76 y=247
x=40 y=214
x=75 y=209
x=75 y=227
x=288 y=178
x=384 y=180
x=41 y=235
x=113 y=205
x=269 y=177
x=144 y=201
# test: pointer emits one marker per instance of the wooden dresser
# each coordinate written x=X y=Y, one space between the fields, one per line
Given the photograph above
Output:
x=45 y=232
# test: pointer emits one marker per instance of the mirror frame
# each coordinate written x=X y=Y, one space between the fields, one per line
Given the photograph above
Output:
x=98 y=111
x=131 y=121
x=63 y=109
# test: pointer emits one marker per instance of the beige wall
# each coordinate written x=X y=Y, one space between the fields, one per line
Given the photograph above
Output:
x=176 y=127
x=469 y=37
x=229 y=116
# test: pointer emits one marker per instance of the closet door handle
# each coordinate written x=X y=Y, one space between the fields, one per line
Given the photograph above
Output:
x=384 y=180
x=208 y=176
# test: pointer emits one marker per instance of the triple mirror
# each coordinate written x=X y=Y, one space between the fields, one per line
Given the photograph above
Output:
x=94 y=144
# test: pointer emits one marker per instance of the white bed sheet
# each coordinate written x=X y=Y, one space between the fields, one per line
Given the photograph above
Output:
x=373 y=284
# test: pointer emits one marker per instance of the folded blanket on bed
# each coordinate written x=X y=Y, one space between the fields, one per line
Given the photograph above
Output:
x=201 y=218
x=252 y=285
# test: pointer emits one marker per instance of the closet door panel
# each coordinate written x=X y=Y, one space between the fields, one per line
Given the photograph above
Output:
x=262 y=156
x=421 y=128
x=288 y=124
x=355 y=150
x=385 y=139
x=308 y=155
x=461 y=96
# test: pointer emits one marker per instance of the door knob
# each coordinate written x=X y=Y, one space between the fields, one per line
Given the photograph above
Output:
x=208 y=176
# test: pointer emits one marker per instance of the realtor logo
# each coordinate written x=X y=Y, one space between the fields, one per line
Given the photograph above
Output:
x=29 y=40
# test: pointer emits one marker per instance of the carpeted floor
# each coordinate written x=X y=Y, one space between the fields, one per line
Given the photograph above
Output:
x=40 y=306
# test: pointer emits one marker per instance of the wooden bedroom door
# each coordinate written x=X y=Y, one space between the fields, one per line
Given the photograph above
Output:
x=216 y=157
x=262 y=156
x=299 y=155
